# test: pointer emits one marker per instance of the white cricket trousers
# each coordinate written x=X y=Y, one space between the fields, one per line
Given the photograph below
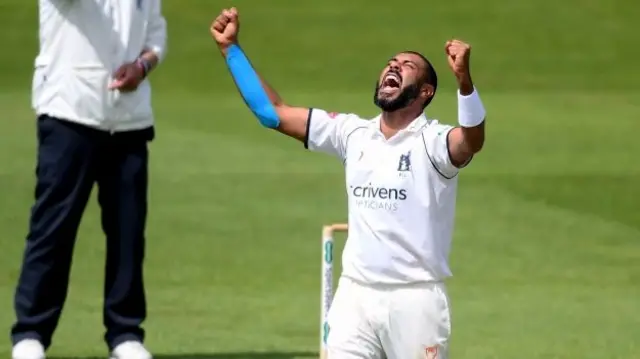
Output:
x=386 y=321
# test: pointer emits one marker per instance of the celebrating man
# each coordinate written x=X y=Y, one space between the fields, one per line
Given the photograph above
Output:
x=401 y=180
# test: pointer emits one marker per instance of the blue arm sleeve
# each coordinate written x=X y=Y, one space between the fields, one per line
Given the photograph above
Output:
x=250 y=87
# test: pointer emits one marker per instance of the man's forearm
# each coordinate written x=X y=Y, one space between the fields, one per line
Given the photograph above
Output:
x=465 y=85
x=155 y=45
x=274 y=97
x=257 y=94
x=147 y=61
x=150 y=56
x=471 y=116
x=262 y=100
x=468 y=138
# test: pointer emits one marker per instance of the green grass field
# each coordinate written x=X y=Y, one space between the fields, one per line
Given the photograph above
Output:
x=546 y=253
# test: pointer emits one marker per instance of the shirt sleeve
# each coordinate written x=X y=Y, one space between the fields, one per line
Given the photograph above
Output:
x=329 y=132
x=436 y=143
x=156 y=39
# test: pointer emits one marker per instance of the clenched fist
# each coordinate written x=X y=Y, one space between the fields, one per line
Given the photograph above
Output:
x=458 y=54
x=224 y=29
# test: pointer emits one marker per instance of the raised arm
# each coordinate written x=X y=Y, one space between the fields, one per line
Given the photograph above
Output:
x=466 y=139
x=262 y=100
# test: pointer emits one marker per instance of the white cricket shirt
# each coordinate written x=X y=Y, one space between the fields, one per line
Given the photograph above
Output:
x=82 y=44
x=401 y=196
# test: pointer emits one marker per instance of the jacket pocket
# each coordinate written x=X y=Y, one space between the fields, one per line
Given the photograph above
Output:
x=135 y=105
x=85 y=91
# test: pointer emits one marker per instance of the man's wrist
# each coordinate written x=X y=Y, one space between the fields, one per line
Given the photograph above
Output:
x=465 y=84
x=471 y=111
x=224 y=49
x=144 y=65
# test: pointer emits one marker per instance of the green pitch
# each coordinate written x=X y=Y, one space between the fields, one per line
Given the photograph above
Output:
x=547 y=244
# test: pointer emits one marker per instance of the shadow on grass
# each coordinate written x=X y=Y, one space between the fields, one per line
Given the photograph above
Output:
x=247 y=355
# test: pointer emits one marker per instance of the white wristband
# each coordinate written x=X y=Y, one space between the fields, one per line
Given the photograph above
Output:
x=471 y=112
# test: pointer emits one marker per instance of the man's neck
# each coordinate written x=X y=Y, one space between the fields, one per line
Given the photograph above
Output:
x=393 y=122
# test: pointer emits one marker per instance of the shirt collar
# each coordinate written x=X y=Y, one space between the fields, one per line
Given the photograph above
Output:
x=414 y=126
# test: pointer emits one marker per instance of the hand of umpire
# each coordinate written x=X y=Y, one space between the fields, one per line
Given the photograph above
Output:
x=127 y=78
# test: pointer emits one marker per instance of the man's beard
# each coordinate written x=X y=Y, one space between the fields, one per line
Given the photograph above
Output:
x=403 y=100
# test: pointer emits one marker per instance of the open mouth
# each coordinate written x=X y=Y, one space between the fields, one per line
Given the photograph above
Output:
x=391 y=81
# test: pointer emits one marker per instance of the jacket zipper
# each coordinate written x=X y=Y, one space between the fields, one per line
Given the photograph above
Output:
x=109 y=112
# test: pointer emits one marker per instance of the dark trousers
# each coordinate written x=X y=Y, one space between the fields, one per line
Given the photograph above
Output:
x=71 y=158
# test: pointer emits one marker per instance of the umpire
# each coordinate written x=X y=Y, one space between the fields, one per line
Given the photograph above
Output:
x=94 y=121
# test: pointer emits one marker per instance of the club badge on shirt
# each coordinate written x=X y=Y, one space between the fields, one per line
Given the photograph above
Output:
x=404 y=165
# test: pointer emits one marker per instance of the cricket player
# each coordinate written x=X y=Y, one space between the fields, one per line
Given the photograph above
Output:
x=92 y=99
x=401 y=179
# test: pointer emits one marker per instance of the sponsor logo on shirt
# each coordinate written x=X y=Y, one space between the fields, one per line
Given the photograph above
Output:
x=378 y=198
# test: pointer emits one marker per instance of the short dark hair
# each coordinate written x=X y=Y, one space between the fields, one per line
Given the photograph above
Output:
x=430 y=77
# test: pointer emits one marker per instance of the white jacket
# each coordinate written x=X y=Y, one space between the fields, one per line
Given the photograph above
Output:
x=82 y=44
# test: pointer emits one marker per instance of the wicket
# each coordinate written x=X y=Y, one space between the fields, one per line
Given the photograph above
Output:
x=326 y=291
